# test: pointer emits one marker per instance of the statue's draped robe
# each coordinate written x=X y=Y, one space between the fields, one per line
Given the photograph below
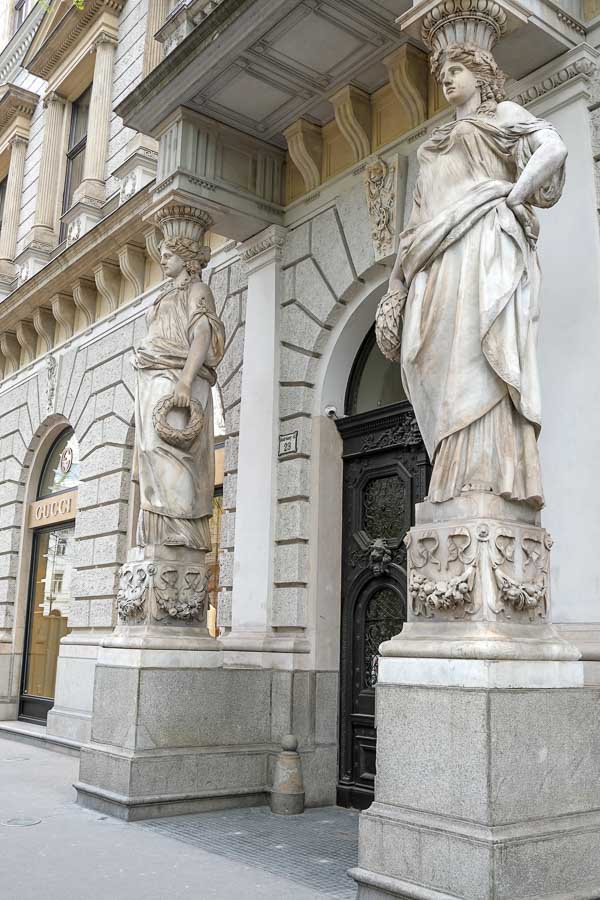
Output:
x=176 y=486
x=468 y=344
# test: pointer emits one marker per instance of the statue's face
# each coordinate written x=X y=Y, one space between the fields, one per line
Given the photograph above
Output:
x=171 y=264
x=459 y=83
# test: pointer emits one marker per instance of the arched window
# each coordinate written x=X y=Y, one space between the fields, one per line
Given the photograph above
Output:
x=374 y=381
x=52 y=518
x=61 y=469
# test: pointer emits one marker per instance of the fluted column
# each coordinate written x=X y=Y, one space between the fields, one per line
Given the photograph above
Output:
x=45 y=211
x=153 y=51
x=12 y=206
x=92 y=187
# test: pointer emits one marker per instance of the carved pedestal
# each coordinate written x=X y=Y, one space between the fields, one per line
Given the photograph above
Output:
x=488 y=745
x=172 y=731
x=478 y=584
x=163 y=600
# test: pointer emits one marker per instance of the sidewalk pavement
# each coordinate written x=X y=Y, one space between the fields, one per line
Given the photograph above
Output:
x=75 y=854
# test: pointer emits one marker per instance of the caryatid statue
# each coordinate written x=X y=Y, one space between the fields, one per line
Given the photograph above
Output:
x=461 y=316
x=165 y=579
x=466 y=281
x=175 y=369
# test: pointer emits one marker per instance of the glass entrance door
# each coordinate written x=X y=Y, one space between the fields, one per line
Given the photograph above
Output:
x=47 y=613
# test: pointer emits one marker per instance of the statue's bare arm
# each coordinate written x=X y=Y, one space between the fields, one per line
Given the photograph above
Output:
x=549 y=154
x=198 y=352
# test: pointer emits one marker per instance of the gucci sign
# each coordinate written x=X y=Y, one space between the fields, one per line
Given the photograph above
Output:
x=52 y=510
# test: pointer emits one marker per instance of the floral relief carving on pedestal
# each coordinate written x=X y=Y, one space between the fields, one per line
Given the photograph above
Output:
x=522 y=595
x=452 y=595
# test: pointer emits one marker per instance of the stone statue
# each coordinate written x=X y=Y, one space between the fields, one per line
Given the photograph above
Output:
x=173 y=409
x=466 y=283
x=163 y=594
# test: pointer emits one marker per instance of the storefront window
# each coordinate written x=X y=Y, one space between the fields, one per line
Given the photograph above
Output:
x=53 y=560
x=50 y=583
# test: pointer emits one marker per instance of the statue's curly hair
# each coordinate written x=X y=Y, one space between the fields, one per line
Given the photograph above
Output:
x=194 y=255
x=490 y=78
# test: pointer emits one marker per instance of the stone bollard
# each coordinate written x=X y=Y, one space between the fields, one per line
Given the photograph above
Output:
x=287 y=794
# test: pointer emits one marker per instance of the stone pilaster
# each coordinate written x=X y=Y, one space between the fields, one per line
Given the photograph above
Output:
x=253 y=570
x=153 y=51
x=12 y=207
x=92 y=188
x=43 y=231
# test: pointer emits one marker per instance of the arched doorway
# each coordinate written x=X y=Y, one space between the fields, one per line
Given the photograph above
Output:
x=385 y=472
x=51 y=516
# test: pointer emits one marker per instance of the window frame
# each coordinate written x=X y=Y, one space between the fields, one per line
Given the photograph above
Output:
x=73 y=151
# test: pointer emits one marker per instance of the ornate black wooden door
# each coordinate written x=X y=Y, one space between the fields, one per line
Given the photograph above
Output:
x=385 y=473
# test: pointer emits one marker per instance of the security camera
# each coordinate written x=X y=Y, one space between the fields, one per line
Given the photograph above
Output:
x=331 y=412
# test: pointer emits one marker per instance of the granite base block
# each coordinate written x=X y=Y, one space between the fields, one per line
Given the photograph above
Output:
x=483 y=795
x=135 y=787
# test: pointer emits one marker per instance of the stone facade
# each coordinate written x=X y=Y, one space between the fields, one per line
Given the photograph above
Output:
x=70 y=319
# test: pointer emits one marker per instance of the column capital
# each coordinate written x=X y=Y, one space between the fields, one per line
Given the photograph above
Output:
x=52 y=97
x=18 y=140
x=264 y=248
x=105 y=37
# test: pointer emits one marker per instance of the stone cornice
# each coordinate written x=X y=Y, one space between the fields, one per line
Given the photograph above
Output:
x=263 y=247
x=15 y=101
x=578 y=63
x=101 y=242
x=14 y=52
x=54 y=40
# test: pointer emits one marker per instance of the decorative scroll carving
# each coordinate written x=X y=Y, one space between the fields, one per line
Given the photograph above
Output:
x=384 y=503
x=426 y=544
x=108 y=282
x=27 y=338
x=44 y=323
x=63 y=310
x=380 y=182
x=408 y=74
x=84 y=297
x=353 y=117
x=11 y=351
x=459 y=543
x=305 y=146
x=132 y=262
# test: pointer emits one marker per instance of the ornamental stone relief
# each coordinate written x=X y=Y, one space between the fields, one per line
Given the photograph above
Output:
x=484 y=570
x=158 y=592
x=380 y=184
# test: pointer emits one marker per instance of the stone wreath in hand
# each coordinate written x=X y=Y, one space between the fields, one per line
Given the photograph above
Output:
x=182 y=438
x=388 y=324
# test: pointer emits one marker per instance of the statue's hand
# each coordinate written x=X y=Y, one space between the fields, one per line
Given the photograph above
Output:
x=527 y=219
x=182 y=394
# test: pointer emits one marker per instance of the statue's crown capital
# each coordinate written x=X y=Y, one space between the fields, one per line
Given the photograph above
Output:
x=178 y=221
x=476 y=22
